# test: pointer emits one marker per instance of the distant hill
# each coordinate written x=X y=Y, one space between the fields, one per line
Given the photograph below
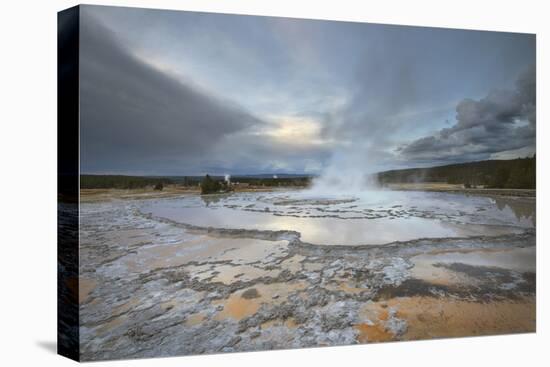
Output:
x=513 y=174
x=271 y=175
x=120 y=181
x=88 y=181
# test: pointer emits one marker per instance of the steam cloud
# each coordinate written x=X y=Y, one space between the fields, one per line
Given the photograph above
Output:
x=151 y=107
x=503 y=121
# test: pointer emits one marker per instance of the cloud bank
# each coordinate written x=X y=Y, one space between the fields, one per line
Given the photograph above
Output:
x=185 y=93
x=504 y=120
x=135 y=116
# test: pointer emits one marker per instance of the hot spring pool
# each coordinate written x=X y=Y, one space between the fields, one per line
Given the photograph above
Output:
x=369 y=218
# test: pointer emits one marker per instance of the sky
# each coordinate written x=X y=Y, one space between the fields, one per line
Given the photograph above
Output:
x=186 y=93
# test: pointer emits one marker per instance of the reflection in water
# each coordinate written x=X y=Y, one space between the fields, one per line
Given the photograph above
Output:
x=376 y=218
x=517 y=259
x=214 y=198
x=523 y=209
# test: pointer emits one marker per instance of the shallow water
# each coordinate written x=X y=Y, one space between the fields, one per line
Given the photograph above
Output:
x=517 y=259
x=375 y=217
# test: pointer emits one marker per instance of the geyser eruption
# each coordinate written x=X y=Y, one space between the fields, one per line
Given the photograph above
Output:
x=347 y=174
x=227 y=179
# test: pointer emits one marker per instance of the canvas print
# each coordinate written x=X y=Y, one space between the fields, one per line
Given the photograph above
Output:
x=232 y=183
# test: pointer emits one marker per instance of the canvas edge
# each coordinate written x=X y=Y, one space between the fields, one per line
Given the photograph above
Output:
x=68 y=45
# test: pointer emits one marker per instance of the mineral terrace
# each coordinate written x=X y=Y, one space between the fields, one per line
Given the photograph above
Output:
x=152 y=285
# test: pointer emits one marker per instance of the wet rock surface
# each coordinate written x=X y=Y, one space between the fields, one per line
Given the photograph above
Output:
x=158 y=287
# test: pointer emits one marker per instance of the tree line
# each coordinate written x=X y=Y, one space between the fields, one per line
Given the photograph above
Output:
x=517 y=173
x=122 y=182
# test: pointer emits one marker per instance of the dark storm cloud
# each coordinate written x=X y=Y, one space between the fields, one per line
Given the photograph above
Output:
x=139 y=118
x=503 y=120
x=308 y=95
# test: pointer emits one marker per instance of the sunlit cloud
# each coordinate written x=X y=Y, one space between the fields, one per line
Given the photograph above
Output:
x=294 y=130
x=182 y=92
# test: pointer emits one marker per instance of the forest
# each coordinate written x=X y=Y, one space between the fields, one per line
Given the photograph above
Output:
x=517 y=173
